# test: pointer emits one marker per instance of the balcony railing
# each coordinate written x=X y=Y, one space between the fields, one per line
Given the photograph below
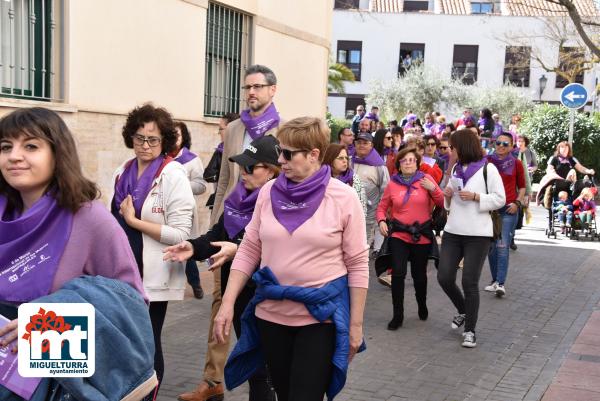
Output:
x=468 y=75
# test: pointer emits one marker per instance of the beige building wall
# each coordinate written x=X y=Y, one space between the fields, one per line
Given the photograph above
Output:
x=122 y=53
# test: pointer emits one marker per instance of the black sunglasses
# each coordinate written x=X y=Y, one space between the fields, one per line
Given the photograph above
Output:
x=443 y=147
x=506 y=144
x=250 y=169
x=289 y=154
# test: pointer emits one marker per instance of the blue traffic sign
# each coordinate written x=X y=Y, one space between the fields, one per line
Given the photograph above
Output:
x=574 y=96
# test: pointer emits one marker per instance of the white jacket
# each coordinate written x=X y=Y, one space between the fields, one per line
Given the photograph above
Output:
x=171 y=204
x=195 y=173
x=473 y=218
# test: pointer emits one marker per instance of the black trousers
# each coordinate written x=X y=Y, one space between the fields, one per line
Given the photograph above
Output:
x=158 y=312
x=416 y=254
x=474 y=250
x=298 y=359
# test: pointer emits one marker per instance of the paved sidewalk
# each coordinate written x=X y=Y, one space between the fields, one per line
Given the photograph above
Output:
x=522 y=339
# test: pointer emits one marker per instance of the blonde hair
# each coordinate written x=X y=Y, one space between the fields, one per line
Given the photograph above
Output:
x=585 y=192
x=306 y=133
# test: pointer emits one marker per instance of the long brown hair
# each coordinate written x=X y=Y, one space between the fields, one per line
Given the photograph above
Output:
x=68 y=185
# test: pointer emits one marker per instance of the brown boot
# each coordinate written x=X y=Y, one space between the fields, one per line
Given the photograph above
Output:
x=206 y=391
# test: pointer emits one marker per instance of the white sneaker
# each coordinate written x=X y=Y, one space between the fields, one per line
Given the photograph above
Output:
x=500 y=291
x=492 y=287
x=469 y=339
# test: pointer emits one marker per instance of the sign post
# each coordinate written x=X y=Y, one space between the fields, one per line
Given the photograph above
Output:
x=573 y=97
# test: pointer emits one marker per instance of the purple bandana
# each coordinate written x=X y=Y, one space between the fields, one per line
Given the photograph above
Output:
x=372 y=159
x=372 y=117
x=399 y=179
x=185 y=156
x=219 y=148
x=257 y=126
x=466 y=174
x=347 y=177
x=351 y=150
x=505 y=166
x=128 y=184
x=564 y=160
x=428 y=126
x=31 y=246
x=294 y=203
x=497 y=130
x=238 y=208
x=389 y=151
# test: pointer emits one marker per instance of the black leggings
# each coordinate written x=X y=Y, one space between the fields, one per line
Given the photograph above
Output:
x=417 y=254
x=474 y=250
x=299 y=359
x=158 y=311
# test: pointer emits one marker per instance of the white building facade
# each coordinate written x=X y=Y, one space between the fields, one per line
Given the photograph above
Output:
x=455 y=36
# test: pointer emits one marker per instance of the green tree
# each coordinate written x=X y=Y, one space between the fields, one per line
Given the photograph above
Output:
x=337 y=75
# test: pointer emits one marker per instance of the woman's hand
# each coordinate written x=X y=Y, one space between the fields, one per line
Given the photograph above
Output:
x=512 y=208
x=448 y=191
x=9 y=334
x=127 y=210
x=383 y=228
x=179 y=253
x=356 y=338
x=227 y=253
x=222 y=324
x=466 y=195
x=427 y=184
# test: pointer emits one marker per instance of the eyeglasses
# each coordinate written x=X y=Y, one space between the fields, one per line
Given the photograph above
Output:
x=506 y=144
x=289 y=154
x=255 y=86
x=250 y=169
x=443 y=147
x=342 y=158
x=431 y=143
x=389 y=137
x=151 y=140
x=350 y=134
x=408 y=160
x=451 y=147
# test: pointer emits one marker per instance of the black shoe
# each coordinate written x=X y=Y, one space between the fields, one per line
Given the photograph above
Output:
x=198 y=292
x=513 y=246
x=395 y=323
x=423 y=312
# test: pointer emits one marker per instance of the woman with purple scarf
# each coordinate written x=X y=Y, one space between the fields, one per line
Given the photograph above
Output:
x=47 y=204
x=336 y=157
x=474 y=190
x=221 y=242
x=154 y=203
x=307 y=236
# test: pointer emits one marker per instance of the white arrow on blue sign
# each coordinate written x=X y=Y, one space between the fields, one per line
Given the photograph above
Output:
x=574 y=96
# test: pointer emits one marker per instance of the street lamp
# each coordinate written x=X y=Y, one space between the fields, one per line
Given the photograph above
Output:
x=543 y=82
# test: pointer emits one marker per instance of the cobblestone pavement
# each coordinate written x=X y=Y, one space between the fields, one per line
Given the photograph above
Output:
x=522 y=339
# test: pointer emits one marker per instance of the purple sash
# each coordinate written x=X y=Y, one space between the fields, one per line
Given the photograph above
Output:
x=372 y=159
x=238 y=209
x=505 y=166
x=397 y=178
x=257 y=126
x=219 y=148
x=347 y=177
x=185 y=156
x=294 y=203
x=31 y=247
x=466 y=174
x=128 y=183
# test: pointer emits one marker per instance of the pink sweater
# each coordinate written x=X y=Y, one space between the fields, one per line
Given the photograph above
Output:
x=329 y=245
x=417 y=208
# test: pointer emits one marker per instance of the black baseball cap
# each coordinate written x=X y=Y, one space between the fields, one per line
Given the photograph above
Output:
x=261 y=150
x=365 y=136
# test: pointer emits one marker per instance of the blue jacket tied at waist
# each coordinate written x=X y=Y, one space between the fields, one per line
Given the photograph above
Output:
x=331 y=301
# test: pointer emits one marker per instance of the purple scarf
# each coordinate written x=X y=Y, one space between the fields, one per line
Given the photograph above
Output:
x=389 y=151
x=31 y=247
x=466 y=174
x=185 y=156
x=219 y=148
x=399 y=179
x=505 y=166
x=372 y=117
x=564 y=160
x=238 y=208
x=347 y=177
x=294 y=203
x=257 y=126
x=351 y=150
x=372 y=159
x=497 y=130
x=128 y=184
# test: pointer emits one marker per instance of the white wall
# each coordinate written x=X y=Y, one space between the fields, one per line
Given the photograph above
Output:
x=381 y=35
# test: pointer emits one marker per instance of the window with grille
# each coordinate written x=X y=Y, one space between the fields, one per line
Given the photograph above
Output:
x=517 y=63
x=227 y=57
x=28 y=38
x=349 y=53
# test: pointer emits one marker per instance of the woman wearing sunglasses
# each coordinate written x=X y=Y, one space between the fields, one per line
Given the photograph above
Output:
x=409 y=198
x=307 y=235
x=258 y=164
x=336 y=157
x=474 y=190
x=383 y=143
x=154 y=203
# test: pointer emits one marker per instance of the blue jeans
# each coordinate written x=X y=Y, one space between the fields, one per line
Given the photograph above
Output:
x=498 y=256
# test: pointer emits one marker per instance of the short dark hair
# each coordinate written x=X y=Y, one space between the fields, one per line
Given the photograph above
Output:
x=332 y=151
x=397 y=130
x=525 y=139
x=426 y=138
x=71 y=188
x=508 y=135
x=148 y=113
x=403 y=152
x=229 y=117
x=340 y=132
x=393 y=123
x=186 y=138
x=468 y=147
x=262 y=69
x=374 y=107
